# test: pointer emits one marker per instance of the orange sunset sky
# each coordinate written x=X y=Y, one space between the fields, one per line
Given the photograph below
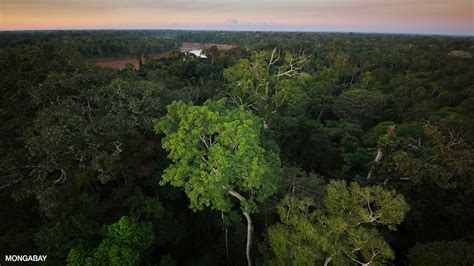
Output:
x=400 y=16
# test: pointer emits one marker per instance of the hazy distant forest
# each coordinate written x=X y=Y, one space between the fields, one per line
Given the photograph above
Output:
x=288 y=149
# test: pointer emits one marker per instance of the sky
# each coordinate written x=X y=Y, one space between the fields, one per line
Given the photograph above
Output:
x=452 y=17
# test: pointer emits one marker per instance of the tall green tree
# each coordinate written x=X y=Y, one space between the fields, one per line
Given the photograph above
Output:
x=219 y=153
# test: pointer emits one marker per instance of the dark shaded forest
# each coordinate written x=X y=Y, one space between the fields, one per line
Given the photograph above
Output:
x=289 y=149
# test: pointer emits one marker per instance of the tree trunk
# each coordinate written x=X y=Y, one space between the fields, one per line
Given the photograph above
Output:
x=379 y=156
x=377 y=160
x=226 y=246
x=226 y=241
x=327 y=261
x=249 y=227
x=249 y=238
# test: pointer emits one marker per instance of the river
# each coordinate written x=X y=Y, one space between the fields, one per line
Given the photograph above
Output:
x=194 y=48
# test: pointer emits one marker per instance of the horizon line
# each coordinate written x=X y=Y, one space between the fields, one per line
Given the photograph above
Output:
x=244 y=30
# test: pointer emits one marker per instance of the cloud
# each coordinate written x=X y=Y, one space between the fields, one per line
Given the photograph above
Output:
x=231 y=21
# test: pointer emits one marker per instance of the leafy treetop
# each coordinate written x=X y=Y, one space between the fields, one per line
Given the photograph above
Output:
x=215 y=150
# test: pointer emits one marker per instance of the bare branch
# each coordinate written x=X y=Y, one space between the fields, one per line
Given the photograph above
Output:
x=11 y=183
x=273 y=61
x=62 y=178
x=117 y=145
x=201 y=137
x=454 y=139
x=293 y=67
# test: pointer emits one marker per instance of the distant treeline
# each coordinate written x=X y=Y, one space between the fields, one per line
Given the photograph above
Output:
x=100 y=43
x=111 y=43
x=288 y=39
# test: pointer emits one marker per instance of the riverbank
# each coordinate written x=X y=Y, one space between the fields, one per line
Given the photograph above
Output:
x=121 y=62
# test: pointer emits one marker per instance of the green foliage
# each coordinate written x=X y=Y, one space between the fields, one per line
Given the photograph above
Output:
x=145 y=207
x=358 y=205
x=344 y=229
x=57 y=238
x=214 y=150
x=80 y=138
x=434 y=170
x=360 y=105
x=269 y=83
x=295 y=240
x=22 y=70
x=121 y=245
x=297 y=182
x=303 y=141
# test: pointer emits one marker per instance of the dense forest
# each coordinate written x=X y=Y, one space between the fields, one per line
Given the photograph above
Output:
x=288 y=149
